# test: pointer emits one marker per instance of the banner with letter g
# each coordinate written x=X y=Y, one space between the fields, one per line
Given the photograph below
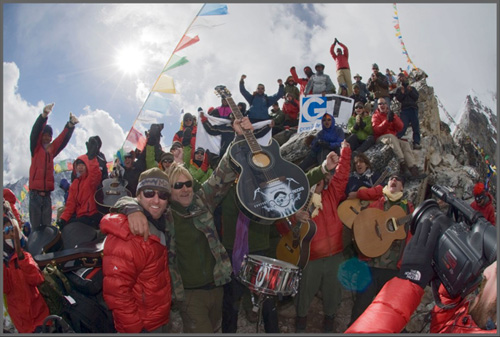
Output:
x=313 y=107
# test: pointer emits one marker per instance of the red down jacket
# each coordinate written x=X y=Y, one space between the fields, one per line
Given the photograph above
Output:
x=391 y=310
x=81 y=191
x=25 y=304
x=136 y=286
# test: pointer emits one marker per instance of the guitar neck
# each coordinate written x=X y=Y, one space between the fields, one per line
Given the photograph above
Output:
x=382 y=176
x=403 y=220
x=248 y=134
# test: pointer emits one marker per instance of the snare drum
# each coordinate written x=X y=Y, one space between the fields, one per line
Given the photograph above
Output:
x=269 y=276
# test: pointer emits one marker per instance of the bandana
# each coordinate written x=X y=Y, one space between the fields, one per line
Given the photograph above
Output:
x=392 y=196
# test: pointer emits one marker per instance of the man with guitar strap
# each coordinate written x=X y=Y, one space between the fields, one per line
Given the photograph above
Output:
x=326 y=245
x=387 y=265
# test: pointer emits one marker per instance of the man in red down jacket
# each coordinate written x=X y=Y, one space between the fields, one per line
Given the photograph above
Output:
x=21 y=275
x=43 y=152
x=342 y=63
x=302 y=81
x=137 y=284
x=326 y=245
x=386 y=266
x=81 y=202
x=391 y=310
x=483 y=202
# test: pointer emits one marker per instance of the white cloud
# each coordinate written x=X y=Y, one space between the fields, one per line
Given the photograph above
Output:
x=19 y=116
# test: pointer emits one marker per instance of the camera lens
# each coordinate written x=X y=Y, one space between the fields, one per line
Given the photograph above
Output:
x=429 y=209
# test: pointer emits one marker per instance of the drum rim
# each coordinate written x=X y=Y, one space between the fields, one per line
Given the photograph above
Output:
x=283 y=264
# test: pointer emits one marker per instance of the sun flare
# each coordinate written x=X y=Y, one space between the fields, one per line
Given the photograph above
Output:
x=130 y=60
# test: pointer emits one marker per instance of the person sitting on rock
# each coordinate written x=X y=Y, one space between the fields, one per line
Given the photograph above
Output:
x=386 y=124
x=359 y=126
x=328 y=139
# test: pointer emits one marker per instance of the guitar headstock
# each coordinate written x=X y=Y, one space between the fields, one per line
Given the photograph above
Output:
x=222 y=91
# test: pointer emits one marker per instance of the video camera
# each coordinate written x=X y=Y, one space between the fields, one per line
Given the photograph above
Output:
x=466 y=246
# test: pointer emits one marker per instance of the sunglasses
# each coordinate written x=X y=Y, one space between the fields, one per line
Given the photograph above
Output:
x=170 y=161
x=383 y=103
x=163 y=195
x=188 y=119
x=479 y=198
x=359 y=107
x=396 y=177
x=178 y=185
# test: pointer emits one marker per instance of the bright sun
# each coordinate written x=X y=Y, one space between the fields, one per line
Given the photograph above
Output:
x=130 y=60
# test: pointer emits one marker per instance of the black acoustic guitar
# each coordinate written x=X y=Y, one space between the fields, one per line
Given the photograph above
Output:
x=269 y=187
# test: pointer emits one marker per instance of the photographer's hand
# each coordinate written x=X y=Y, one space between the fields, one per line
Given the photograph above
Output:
x=416 y=264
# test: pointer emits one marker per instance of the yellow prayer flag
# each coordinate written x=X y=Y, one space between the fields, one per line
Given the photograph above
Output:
x=165 y=84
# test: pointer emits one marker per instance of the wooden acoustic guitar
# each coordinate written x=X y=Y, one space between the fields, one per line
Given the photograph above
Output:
x=269 y=187
x=374 y=230
x=350 y=208
x=295 y=246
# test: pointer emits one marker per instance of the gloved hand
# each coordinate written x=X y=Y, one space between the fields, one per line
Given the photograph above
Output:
x=61 y=223
x=416 y=264
x=186 y=138
x=47 y=110
x=324 y=144
x=92 y=148
x=336 y=41
x=73 y=120
x=362 y=124
x=154 y=134
x=390 y=116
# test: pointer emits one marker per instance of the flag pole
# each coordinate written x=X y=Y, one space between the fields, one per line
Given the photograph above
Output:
x=171 y=55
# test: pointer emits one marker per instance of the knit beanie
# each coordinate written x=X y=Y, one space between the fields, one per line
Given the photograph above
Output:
x=167 y=155
x=153 y=178
x=47 y=129
x=478 y=189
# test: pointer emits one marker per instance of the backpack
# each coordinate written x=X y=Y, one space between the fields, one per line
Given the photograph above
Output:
x=53 y=289
x=88 y=313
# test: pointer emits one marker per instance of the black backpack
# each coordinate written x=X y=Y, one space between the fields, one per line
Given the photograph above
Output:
x=88 y=313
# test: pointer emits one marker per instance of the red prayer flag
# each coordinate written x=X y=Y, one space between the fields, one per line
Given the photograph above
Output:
x=186 y=41
x=136 y=138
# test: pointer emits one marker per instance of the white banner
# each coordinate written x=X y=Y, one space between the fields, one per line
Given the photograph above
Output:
x=212 y=143
x=313 y=107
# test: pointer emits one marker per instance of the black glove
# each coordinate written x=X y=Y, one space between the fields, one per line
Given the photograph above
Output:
x=416 y=264
x=154 y=134
x=61 y=223
x=356 y=126
x=390 y=116
x=92 y=148
x=324 y=144
x=186 y=138
x=362 y=124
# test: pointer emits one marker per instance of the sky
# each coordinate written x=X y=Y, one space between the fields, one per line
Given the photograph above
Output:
x=100 y=61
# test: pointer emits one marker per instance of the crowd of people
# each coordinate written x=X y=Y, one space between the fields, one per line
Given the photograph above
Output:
x=178 y=239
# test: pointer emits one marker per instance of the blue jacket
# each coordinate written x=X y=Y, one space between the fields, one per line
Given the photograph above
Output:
x=259 y=104
x=334 y=136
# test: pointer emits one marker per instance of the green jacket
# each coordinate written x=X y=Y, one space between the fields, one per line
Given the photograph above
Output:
x=364 y=132
x=197 y=172
x=200 y=213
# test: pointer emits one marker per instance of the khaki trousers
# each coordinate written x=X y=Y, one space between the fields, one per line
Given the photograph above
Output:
x=401 y=149
x=201 y=311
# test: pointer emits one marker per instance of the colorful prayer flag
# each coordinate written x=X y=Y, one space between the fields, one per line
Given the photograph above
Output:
x=213 y=9
x=186 y=41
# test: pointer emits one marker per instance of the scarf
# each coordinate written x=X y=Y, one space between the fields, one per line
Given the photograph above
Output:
x=240 y=248
x=392 y=196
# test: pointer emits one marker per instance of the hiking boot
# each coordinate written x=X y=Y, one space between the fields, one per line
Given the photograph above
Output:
x=328 y=324
x=417 y=146
x=251 y=316
x=300 y=324
x=415 y=174
x=403 y=170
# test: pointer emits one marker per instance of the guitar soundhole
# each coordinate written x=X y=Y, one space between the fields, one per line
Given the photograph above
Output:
x=261 y=160
x=114 y=185
x=390 y=226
